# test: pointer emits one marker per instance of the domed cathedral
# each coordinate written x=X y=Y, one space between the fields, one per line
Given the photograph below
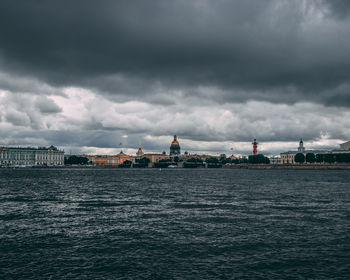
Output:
x=175 y=147
x=139 y=153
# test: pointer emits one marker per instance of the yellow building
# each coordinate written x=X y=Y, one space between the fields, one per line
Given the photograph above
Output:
x=113 y=160
x=288 y=157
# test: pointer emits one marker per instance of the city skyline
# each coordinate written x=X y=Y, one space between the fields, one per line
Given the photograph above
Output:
x=87 y=76
x=245 y=148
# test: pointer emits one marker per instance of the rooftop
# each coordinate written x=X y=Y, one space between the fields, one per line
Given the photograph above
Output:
x=51 y=148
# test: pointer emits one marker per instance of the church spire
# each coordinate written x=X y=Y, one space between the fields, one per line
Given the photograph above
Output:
x=301 y=148
x=139 y=153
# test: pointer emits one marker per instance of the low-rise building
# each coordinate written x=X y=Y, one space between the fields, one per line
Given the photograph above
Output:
x=202 y=157
x=18 y=156
x=156 y=157
x=109 y=160
x=345 y=146
x=275 y=160
x=289 y=157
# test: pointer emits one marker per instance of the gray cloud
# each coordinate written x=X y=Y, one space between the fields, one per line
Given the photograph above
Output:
x=17 y=118
x=87 y=73
x=47 y=106
x=338 y=8
x=265 y=46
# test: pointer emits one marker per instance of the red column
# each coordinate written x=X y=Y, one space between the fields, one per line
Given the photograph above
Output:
x=255 y=147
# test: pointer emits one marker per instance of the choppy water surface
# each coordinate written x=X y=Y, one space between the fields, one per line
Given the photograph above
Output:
x=174 y=224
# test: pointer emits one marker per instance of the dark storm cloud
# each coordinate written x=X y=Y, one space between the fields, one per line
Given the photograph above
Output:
x=69 y=138
x=47 y=106
x=278 y=51
x=339 y=8
x=17 y=119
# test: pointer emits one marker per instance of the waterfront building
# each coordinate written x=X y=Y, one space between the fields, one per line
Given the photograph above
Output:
x=345 y=146
x=175 y=147
x=153 y=157
x=121 y=158
x=289 y=157
x=51 y=156
x=110 y=160
x=202 y=157
x=98 y=160
x=275 y=160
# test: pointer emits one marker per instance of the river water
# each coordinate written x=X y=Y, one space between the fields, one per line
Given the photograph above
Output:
x=174 y=224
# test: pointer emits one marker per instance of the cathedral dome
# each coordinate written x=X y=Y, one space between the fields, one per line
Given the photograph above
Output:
x=175 y=143
x=175 y=147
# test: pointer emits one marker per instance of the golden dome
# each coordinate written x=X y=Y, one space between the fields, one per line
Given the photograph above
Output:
x=175 y=147
x=175 y=142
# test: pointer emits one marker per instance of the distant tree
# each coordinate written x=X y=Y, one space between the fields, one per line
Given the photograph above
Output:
x=258 y=159
x=342 y=158
x=299 y=158
x=163 y=163
x=310 y=157
x=146 y=160
x=76 y=160
x=319 y=158
x=125 y=164
x=193 y=163
x=176 y=159
x=347 y=157
x=195 y=160
x=329 y=158
x=223 y=158
x=143 y=160
x=252 y=159
x=212 y=160
x=141 y=163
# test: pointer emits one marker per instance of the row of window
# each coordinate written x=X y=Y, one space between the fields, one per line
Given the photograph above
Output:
x=2 y=162
x=29 y=156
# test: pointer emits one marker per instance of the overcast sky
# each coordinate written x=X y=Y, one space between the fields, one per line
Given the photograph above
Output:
x=88 y=75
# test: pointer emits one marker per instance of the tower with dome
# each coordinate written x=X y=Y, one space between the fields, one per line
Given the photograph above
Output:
x=175 y=147
x=139 y=152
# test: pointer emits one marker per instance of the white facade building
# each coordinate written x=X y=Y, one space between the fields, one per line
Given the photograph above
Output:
x=31 y=156
x=345 y=146
x=289 y=157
